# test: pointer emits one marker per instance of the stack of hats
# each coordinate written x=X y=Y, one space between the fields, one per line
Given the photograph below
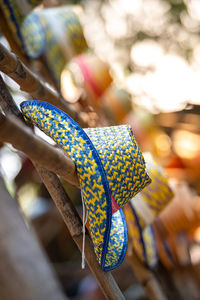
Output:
x=54 y=32
x=143 y=209
x=60 y=34
x=111 y=170
x=180 y=216
x=15 y=13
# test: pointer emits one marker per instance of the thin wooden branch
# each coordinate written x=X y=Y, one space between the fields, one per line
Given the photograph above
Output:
x=12 y=131
x=6 y=101
x=74 y=224
x=23 y=139
x=65 y=207
x=32 y=84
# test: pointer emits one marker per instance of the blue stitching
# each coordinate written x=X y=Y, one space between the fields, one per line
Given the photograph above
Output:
x=124 y=249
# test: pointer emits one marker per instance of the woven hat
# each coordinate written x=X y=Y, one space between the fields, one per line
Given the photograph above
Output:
x=110 y=168
x=142 y=210
x=15 y=13
x=141 y=237
x=164 y=249
x=55 y=32
x=181 y=214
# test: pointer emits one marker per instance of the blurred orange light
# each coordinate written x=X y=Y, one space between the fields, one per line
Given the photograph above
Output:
x=68 y=89
x=163 y=144
x=186 y=144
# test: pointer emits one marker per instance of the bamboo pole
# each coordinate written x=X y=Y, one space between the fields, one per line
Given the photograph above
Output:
x=64 y=205
x=12 y=131
x=33 y=85
x=74 y=224
x=22 y=138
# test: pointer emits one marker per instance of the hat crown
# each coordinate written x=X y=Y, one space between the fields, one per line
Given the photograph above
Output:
x=122 y=161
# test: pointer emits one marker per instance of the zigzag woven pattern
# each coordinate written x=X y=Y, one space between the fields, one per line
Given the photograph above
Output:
x=143 y=240
x=122 y=161
x=33 y=35
x=15 y=16
x=158 y=194
x=134 y=232
x=42 y=31
x=108 y=232
x=150 y=247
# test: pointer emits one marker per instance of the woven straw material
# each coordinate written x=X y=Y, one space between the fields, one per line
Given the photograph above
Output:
x=109 y=163
x=55 y=32
x=15 y=15
x=156 y=196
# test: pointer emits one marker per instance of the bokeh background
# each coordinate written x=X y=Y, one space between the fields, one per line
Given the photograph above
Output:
x=152 y=50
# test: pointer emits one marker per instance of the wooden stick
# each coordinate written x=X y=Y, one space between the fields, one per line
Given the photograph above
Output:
x=74 y=224
x=12 y=131
x=61 y=199
x=6 y=101
x=32 y=84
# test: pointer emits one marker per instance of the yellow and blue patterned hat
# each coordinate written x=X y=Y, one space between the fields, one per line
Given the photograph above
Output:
x=142 y=238
x=15 y=12
x=60 y=34
x=142 y=210
x=55 y=32
x=110 y=168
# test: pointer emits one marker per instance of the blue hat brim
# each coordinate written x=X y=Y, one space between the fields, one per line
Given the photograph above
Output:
x=109 y=242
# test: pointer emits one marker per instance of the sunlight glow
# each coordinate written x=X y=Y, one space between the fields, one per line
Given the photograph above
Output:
x=186 y=144
x=169 y=80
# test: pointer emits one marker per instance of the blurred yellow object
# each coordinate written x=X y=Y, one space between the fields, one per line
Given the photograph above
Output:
x=183 y=213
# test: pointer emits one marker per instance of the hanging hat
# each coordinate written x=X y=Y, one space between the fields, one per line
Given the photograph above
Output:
x=15 y=12
x=110 y=168
x=59 y=32
x=55 y=32
x=142 y=238
x=142 y=210
x=158 y=194
x=165 y=251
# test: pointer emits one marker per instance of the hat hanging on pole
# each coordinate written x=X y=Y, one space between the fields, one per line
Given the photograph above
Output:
x=15 y=12
x=143 y=209
x=60 y=34
x=54 y=32
x=110 y=168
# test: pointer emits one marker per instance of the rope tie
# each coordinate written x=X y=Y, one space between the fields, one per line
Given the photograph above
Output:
x=85 y=218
